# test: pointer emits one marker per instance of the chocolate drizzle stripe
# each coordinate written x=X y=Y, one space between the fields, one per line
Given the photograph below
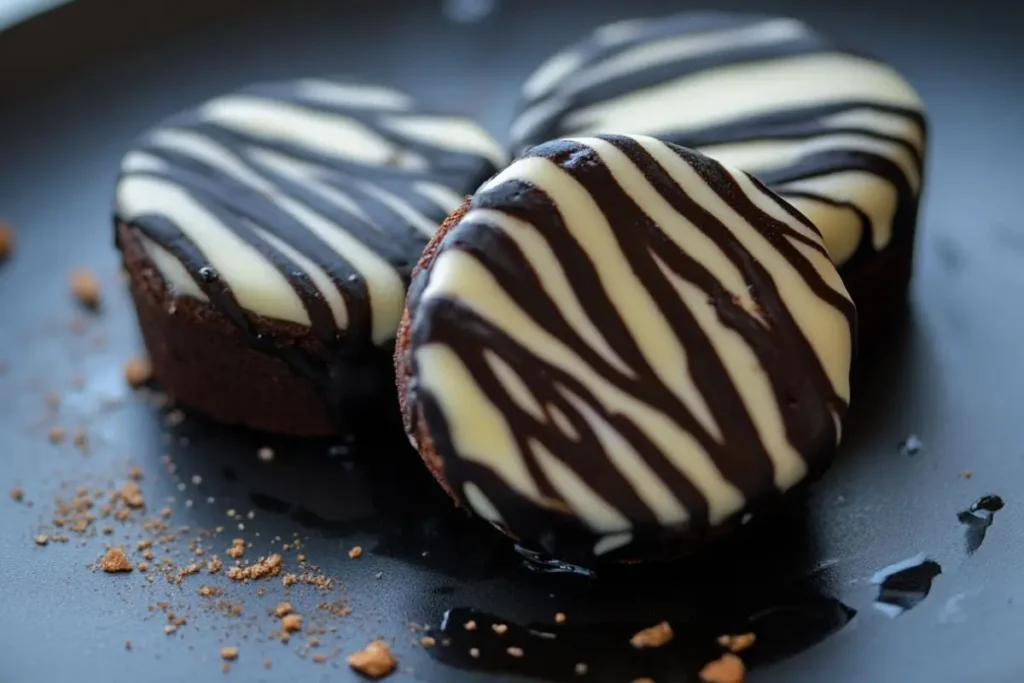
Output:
x=491 y=291
x=629 y=63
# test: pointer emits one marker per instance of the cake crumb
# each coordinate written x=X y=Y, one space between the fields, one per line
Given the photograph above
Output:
x=169 y=629
x=355 y=552
x=642 y=680
x=375 y=660
x=115 y=561
x=85 y=287
x=135 y=473
x=267 y=664
x=427 y=641
x=225 y=668
x=319 y=658
x=291 y=623
x=560 y=618
x=265 y=454
x=6 y=240
x=515 y=652
x=474 y=652
x=17 y=495
x=237 y=549
x=214 y=565
x=469 y=625
x=726 y=669
x=137 y=371
x=131 y=495
x=289 y=580
x=261 y=569
x=967 y=474
x=500 y=629
x=57 y=434
x=42 y=539
x=655 y=636
x=229 y=653
x=143 y=567
x=737 y=643
x=581 y=669
x=128 y=645
x=282 y=610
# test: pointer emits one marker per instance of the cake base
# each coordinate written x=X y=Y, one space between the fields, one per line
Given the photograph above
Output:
x=206 y=363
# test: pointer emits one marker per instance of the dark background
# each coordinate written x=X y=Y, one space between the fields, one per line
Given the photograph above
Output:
x=78 y=83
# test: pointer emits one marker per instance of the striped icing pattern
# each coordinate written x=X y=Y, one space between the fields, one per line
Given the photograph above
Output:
x=627 y=336
x=307 y=202
x=839 y=135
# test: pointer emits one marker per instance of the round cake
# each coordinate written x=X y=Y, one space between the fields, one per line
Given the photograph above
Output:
x=618 y=348
x=840 y=135
x=269 y=236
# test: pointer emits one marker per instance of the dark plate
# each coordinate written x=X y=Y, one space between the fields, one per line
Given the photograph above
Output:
x=78 y=83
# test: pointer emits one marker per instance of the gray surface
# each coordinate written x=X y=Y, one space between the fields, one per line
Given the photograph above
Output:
x=955 y=378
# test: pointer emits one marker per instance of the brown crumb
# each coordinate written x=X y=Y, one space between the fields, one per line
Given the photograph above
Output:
x=57 y=434
x=267 y=664
x=500 y=629
x=319 y=658
x=237 y=549
x=967 y=474
x=375 y=660
x=655 y=636
x=291 y=623
x=214 y=565
x=131 y=495
x=642 y=680
x=85 y=287
x=17 y=495
x=6 y=240
x=115 y=561
x=135 y=473
x=226 y=668
x=427 y=641
x=229 y=653
x=143 y=567
x=560 y=618
x=289 y=579
x=469 y=625
x=128 y=645
x=355 y=552
x=138 y=371
x=42 y=539
x=726 y=669
x=271 y=566
x=80 y=439
x=737 y=643
x=282 y=610
x=515 y=652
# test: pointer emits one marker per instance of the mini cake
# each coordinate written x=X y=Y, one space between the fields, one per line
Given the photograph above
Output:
x=839 y=135
x=618 y=348
x=269 y=236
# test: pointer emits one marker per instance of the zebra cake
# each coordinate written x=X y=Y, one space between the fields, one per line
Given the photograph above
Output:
x=619 y=347
x=838 y=134
x=269 y=235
